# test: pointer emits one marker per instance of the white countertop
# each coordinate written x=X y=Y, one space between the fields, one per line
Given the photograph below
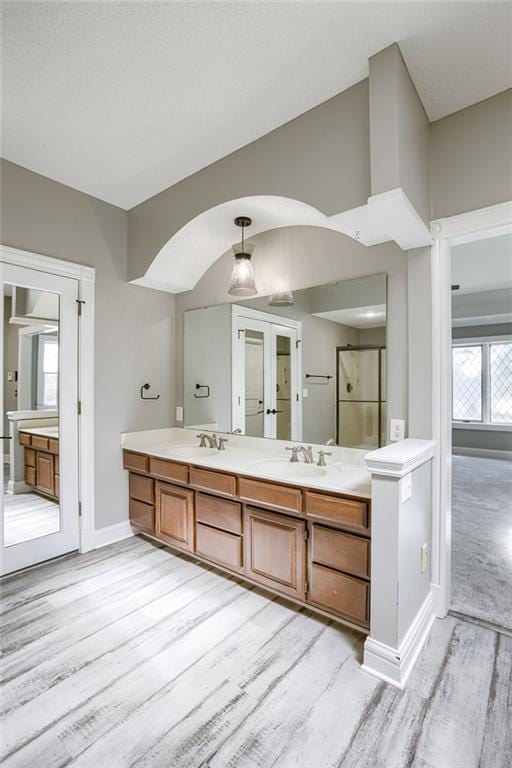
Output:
x=42 y=431
x=346 y=471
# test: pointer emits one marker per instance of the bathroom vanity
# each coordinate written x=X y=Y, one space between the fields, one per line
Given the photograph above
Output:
x=300 y=530
x=41 y=446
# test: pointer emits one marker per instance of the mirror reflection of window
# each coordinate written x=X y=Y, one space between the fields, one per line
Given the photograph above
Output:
x=47 y=371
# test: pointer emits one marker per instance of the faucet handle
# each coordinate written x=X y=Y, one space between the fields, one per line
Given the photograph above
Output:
x=222 y=443
x=321 y=457
x=295 y=452
x=202 y=437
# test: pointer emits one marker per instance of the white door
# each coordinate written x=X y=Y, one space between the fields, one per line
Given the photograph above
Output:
x=39 y=516
x=266 y=381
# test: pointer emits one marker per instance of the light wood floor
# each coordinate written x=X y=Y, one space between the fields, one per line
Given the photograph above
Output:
x=134 y=656
x=29 y=516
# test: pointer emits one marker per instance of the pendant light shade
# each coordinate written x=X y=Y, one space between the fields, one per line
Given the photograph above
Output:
x=242 y=278
x=283 y=299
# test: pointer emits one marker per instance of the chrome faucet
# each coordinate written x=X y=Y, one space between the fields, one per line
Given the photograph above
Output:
x=237 y=431
x=321 y=457
x=210 y=439
x=307 y=452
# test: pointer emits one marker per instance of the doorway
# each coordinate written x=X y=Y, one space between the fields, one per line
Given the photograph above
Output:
x=40 y=390
x=448 y=234
x=266 y=375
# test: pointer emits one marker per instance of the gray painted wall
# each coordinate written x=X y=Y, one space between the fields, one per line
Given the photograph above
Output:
x=471 y=155
x=312 y=256
x=399 y=131
x=321 y=158
x=133 y=336
x=420 y=343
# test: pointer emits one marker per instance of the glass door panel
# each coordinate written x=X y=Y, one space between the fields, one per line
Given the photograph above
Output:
x=361 y=412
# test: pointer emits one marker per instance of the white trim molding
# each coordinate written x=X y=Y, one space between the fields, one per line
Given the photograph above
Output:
x=487 y=222
x=85 y=277
x=398 y=459
x=394 y=665
x=112 y=533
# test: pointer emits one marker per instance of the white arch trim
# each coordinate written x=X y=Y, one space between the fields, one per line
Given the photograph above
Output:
x=189 y=253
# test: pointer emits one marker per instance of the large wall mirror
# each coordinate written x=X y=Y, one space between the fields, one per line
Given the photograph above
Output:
x=307 y=365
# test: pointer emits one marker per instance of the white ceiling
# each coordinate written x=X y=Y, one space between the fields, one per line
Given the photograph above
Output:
x=482 y=265
x=123 y=99
x=357 y=317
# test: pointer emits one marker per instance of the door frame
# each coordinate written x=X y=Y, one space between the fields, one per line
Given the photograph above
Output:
x=446 y=232
x=85 y=277
x=238 y=312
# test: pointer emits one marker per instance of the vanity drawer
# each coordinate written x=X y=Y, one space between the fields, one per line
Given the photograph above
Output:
x=30 y=475
x=136 y=461
x=142 y=488
x=213 y=481
x=53 y=445
x=219 y=546
x=339 y=593
x=219 y=512
x=30 y=457
x=25 y=439
x=339 y=550
x=142 y=515
x=40 y=442
x=343 y=512
x=271 y=494
x=168 y=470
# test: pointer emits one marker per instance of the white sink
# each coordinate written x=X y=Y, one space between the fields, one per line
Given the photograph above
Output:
x=288 y=469
x=189 y=451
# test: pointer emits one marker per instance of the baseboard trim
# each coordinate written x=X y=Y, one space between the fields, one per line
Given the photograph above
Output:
x=483 y=453
x=111 y=534
x=18 y=486
x=439 y=601
x=394 y=665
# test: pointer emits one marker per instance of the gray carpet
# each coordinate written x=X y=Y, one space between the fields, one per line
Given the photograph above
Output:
x=482 y=539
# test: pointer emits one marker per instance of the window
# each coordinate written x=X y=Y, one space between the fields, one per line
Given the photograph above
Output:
x=482 y=382
x=47 y=371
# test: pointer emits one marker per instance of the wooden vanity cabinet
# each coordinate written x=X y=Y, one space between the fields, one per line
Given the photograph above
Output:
x=174 y=510
x=275 y=551
x=308 y=545
x=41 y=463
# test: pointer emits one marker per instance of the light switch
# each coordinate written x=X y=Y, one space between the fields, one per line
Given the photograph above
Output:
x=10 y=376
x=424 y=558
x=179 y=413
x=304 y=393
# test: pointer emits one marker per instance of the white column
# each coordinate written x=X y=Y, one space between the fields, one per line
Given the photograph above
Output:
x=401 y=596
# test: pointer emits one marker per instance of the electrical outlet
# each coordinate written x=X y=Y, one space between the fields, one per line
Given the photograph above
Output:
x=396 y=430
x=179 y=413
x=424 y=558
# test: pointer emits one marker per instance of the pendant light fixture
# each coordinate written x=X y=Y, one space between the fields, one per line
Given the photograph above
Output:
x=282 y=299
x=242 y=278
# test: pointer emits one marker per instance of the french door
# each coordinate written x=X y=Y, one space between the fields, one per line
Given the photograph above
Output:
x=39 y=516
x=266 y=378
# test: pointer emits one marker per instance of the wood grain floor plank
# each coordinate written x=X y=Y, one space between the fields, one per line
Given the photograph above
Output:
x=72 y=694
x=455 y=717
x=153 y=602
x=113 y=686
x=16 y=583
x=23 y=632
x=198 y=713
x=497 y=743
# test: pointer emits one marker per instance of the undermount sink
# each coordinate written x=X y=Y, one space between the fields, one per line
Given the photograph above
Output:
x=189 y=451
x=288 y=469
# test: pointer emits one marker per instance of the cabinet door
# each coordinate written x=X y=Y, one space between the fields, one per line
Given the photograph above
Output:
x=45 y=472
x=175 y=515
x=275 y=551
